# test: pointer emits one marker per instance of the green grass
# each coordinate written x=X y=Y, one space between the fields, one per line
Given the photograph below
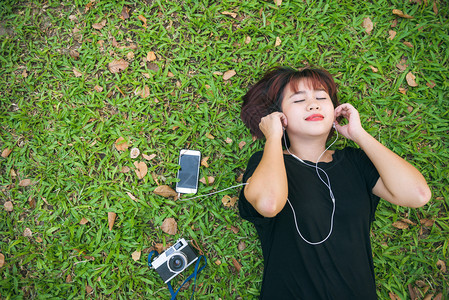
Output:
x=62 y=133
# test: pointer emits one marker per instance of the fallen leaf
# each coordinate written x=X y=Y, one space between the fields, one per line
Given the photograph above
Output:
x=228 y=201
x=400 y=225
x=242 y=144
x=241 y=246
x=141 y=170
x=77 y=73
x=228 y=13
x=8 y=206
x=2 y=260
x=234 y=229
x=131 y=196
x=394 y=23
x=204 y=162
x=27 y=232
x=218 y=262
x=118 y=65
x=399 y=13
x=13 y=173
x=408 y=44
x=74 y=54
x=89 y=6
x=24 y=74
x=441 y=265
x=240 y=178
x=278 y=42
x=248 y=40
x=408 y=221
x=111 y=219
x=402 y=91
x=151 y=56
x=228 y=74
x=83 y=221
x=228 y=141
x=39 y=239
x=278 y=2
x=99 y=25
x=210 y=136
x=125 y=12
x=121 y=144
x=401 y=67
x=169 y=226
x=98 y=88
x=218 y=73
x=136 y=255
x=68 y=279
x=165 y=191
x=6 y=152
x=209 y=181
x=134 y=153
x=25 y=182
x=431 y=84
x=375 y=70
x=236 y=264
x=393 y=296
x=427 y=222
x=368 y=25
x=89 y=289
x=125 y=169
x=435 y=8
x=145 y=92
x=392 y=34
x=130 y=55
x=411 y=79
x=149 y=157
x=144 y=20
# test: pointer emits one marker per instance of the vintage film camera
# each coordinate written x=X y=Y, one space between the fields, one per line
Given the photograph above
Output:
x=174 y=260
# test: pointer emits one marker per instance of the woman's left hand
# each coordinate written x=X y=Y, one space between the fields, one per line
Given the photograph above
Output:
x=354 y=128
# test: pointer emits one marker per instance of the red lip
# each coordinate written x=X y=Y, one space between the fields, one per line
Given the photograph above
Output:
x=315 y=117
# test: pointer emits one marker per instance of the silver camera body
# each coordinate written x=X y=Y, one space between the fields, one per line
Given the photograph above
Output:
x=174 y=260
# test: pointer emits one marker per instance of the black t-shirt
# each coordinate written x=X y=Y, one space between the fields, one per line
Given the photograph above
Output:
x=342 y=266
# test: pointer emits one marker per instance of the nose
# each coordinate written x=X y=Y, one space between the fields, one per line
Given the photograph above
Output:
x=313 y=106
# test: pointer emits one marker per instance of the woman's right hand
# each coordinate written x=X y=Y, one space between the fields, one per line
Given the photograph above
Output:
x=273 y=125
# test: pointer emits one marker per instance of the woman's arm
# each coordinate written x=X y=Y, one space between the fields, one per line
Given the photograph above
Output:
x=399 y=183
x=267 y=189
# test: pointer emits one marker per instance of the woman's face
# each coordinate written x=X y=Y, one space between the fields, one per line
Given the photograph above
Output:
x=309 y=111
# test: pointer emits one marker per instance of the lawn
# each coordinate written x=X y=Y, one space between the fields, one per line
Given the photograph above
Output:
x=83 y=83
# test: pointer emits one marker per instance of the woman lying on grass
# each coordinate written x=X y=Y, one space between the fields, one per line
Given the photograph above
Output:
x=313 y=207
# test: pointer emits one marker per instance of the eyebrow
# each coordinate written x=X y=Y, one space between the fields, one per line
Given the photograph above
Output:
x=303 y=92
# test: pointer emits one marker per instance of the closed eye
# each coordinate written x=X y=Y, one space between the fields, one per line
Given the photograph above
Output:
x=321 y=98
x=297 y=101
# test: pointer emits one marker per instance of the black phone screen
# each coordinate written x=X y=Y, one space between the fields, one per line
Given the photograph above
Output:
x=188 y=173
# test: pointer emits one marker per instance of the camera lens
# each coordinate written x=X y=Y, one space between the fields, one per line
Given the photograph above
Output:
x=177 y=263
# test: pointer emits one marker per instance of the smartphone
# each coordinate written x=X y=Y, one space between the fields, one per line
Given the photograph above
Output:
x=189 y=162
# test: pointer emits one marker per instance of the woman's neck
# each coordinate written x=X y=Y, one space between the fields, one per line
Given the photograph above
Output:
x=311 y=150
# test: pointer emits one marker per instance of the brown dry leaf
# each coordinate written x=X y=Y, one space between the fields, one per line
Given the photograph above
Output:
x=401 y=67
x=83 y=221
x=89 y=6
x=209 y=181
x=375 y=70
x=368 y=25
x=236 y=264
x=151 y=56
x=25 y=182
x=136 y=255
x=402 y=91
x=427 y=222
x=400 y=225
x=144 y=20
x=241 y=246
x=2 y=260
x=121 y=144
x=391 y=34
x=408 y=44
x=435 y=8
x=441 y=265
x=149 y=157
x=278 y=2
x=408 y=221
x=399 y=13
x=39 y=239
x=24 y=74
x=218 y=262
x=111 y=219
x=228 y=74
x=99 y=25
x=210 y=136
x=165 y=191
x=248 y=40
x=27 y=232
x=439 y=296
x=74 y=54
x=228 y=141
x=169 y=226
x=125 y=169
x=131 y=196
x=393 y=296
x=145 y=92
x=13 y=173
x=68 y=279
x=125 y=13
x=77 y=73
x=118 y=65
x=228 y=13
x=8 y=206
x=98 y=88
x=134 y=153
x=234 y=229
x=411 y=79
x=130 y=55
x=394 y=23
x=242 y=144
x=278 y=42
x=6 y=152
x=141 y=170
x=228 y=201
x=204 y=162
x=89 y=289
x=431 y=84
